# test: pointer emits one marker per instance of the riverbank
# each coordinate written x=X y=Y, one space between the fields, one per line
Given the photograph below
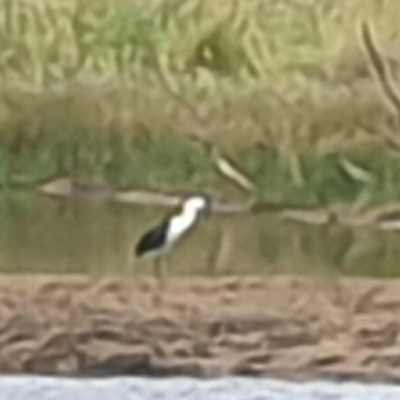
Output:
x=293 y=327
x=119 y=100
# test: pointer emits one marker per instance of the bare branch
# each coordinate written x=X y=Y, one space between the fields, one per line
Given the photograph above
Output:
x=179 y=98
x=380 y=68
x=202 y=137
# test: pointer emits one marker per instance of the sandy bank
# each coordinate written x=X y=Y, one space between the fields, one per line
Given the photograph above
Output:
x=281 y=326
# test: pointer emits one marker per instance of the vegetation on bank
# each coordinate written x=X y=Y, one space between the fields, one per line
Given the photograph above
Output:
x=113 y=91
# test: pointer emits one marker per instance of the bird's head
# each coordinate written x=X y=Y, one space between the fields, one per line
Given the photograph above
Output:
x=199 y=205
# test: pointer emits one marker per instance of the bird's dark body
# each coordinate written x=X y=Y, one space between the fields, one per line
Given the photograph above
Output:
x=153 y=240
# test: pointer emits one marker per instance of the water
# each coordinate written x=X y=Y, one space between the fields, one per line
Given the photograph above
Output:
x=39 y=234
x=34 y=388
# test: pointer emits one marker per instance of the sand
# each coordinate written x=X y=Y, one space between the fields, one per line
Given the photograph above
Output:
x=292 y=327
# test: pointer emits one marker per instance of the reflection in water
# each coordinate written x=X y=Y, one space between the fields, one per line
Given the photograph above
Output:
x=39 y=234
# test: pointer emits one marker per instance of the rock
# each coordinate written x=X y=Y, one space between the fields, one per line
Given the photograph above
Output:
x=54 y=353
x=253 y=363
x=111 y=295
x=203 y=347
x=389 y=358
x=56 y=294
x=58 y=341
x=182 y=348
x=20 y=327
x=243 y=342
x=329 y=353
x=249 y=369
x=294 y=359
x=111 y=354
x=165 y=329
x=387 y=302
x=52 y=363
x=258 y=357
x=291 y=334
x=111 y=330
x=15 y=357
x=366 y=300
x=242 y=324
x=374 y=331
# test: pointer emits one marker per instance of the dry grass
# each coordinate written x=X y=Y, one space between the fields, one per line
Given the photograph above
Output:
x=80 y=85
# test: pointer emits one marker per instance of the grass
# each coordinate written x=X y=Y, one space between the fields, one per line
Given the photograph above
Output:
x=282 y=87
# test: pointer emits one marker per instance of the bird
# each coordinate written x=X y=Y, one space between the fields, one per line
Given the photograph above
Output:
x=162 y=239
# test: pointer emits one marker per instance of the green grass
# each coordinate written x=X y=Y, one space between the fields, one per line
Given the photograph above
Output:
x=284 y=86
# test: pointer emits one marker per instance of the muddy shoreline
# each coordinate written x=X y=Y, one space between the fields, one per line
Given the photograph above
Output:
x=291 y=327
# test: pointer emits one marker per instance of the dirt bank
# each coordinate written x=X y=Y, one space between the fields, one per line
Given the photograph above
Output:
x=281 y=326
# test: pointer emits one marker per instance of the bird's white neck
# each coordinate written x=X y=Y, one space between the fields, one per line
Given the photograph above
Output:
x=182 y=223
x=189 y=215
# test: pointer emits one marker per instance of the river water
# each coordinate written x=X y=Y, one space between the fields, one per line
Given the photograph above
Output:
x=39 y=234
x=41 y=388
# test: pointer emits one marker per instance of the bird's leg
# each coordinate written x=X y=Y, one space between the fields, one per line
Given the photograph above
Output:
x=157 y=269
x=163 y=274
x=158 y=275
